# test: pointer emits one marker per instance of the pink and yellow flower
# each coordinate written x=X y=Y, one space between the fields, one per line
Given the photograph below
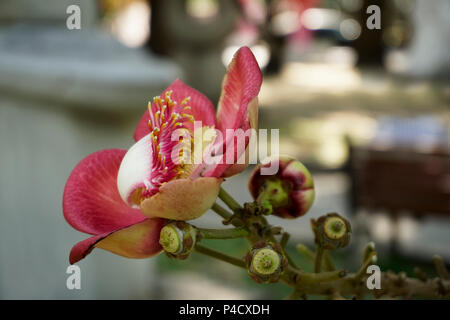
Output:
x=123 y=198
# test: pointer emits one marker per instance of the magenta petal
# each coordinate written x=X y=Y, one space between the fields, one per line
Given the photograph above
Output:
x=201 y=107
x=91 y=201
x=83 y=248
x=142 y=128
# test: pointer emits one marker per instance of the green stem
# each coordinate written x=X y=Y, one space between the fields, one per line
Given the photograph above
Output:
x=332 y=283
x=223 y=233
x=329 y=264
x=221 y=211
x=228 y=200
x=318 y=260
x=370 y=247
x=226 y=215
x=304 y=250
x=220 y=256
x=289 y=259
x=283 y=242
x=284 y=239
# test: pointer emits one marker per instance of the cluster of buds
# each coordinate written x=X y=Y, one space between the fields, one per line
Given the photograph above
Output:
x=289 y=193
x=178 y=239
x=331 y=231
x=265 y=262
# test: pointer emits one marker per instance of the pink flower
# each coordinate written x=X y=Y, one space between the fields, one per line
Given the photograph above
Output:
x=123 y=198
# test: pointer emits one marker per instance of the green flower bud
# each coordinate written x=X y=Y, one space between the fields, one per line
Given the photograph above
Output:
x=331 y=231
x=177 y=239
x=289 y=193
x=265 y=262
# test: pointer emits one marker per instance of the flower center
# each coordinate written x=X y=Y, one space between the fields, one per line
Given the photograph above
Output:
x=171 y=239
x=335 y=228
x=266 y=261
x=172 y=150
x=166 y=116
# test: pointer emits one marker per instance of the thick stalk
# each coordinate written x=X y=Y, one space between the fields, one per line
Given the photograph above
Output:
x=336 y=282
x=318 y=260
x=391 y=285
x=329 y=264
x=327 y=283
x=312 y=278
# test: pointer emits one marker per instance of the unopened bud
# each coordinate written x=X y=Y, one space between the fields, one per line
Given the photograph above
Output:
x=289 y=193
x=331 y=231
x=178 y=239
x=265 y=262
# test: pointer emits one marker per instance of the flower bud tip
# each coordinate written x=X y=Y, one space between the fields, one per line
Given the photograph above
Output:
x=374 y=259
x=170 y=239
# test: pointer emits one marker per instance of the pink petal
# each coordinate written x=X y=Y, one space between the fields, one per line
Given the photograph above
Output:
x=83 y=248
x=238 y=107
x=91 y=201
x=225 y=170
x=201 y=108
x=300 y=203
x=140 y=240
x=240 y=86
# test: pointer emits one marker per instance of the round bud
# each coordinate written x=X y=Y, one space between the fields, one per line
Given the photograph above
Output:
x=170 y=239
x=282 y=186
x=331 y=231
x=334 y=228
x=265 y=262
x=177 y=239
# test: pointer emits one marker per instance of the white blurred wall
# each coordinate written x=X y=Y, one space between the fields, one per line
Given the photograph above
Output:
x=63 y=94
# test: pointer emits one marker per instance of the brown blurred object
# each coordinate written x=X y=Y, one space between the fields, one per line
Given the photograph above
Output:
x=399 y=180
x=111 y=6
x=370 y=43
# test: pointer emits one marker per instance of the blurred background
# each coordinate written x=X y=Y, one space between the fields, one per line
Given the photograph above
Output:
x=367 y=110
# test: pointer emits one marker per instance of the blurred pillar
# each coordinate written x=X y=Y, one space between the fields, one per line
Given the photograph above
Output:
x=63 y=95
x=195 y=43
x=429 y=52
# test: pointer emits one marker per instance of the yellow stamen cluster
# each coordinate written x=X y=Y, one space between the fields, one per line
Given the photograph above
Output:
x=165 y=117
